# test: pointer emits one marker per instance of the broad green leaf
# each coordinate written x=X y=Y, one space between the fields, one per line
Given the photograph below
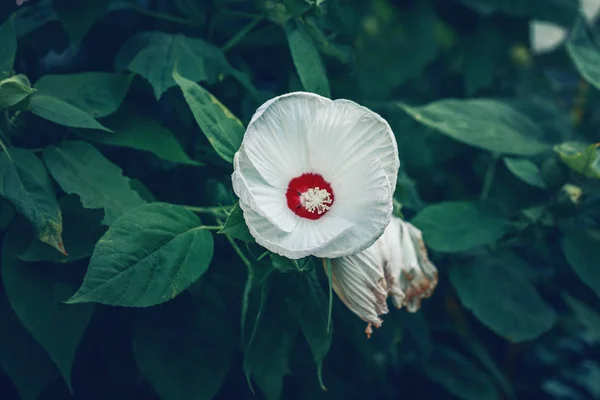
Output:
x=8 y=50
x=222 y=129
x=236 y=227
x=77 y=17
x=313 y=317
x=25 y=362
x=525 y=170
x=142 y=133
x=184 y=348
x=13 y=90
x=80 y=168
x=459 y=226
x=97 y=93
x=82 y=230
x=501 y=297
x=154 y=55
x=26 y=184
x=459 y=376
x=488 y=124
x=36 y=293
x=585 y=53
x=581 y=251
x=580 y=157
x=62 y=113
x=587 y=316
x=148 y=256
x=267 y=354
x=306 y=58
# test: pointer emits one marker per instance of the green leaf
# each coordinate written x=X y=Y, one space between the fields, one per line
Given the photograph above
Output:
x=459 y=226
x=7 y=213
x=148 y=256
x=26 y=184
x=62 y=113
x=8 y=50
x=459 y=376
x=77 y=17
x=154 y=56
x=97 y=93
x=187 y=354
x=82 y=230
x=587 y=316
x=13 y=90
x=306 y=58
x=36 y=293
x=580 y=157
x=25 y=362
x=80 y=168
x=488 y=124
x=222 y=129
x=142 y=133
x=267 y=354
x=236 y=227
x=525 y=170
x=584 y=52
x=313 y=317
x=499 y=295
x=581 y=251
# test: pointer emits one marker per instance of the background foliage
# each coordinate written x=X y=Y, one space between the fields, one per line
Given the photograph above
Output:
x=118 y=123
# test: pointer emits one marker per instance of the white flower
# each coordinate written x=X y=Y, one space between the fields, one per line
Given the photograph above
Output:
x=316 y=176
x=546 y=36
x=397 y=265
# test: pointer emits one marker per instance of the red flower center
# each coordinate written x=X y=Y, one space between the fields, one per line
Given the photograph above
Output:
x=309 y=196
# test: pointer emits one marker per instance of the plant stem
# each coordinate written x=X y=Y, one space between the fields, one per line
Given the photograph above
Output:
x=239 y=252
x=211 y=227
x=208 y=210
x=489 y=178
x=238 y=37
x=241 y=14
x=4 y=149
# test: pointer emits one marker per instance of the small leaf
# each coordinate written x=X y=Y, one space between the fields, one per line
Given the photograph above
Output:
x=587 y=316
x=36 y=293
x=26 y=184
x=459 y=376
x=142 y=133
x=525 y=170
x=82 y=230
x=25 y=362
x=77 y=17
x=184 y=347
x=584 y=52
x=459 y=226
x=148 y=256
x=97 y=93
x=502 y=298
x=154 y=55
x=580 y=157
x=8 y=50
x=13 y=90
x=236 y=227
x=581 y=251
x=222 y=129
x=80 y=168
x=62 y=113
x=488 y=124
x=306 y=58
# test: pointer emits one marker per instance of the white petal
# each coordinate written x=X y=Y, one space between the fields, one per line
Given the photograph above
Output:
x=264 y=199
x=359 y=282
x=590 y=9
x=276 y=138
x=344 y=135
x=308 y=237
x=363 y=197
x=545 y=36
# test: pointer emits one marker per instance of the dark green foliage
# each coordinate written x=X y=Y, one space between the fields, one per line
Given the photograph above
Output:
x=128 y=270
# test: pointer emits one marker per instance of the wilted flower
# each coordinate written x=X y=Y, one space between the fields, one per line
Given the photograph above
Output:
x=546 y=36
x=397 y=265
x=316 y=176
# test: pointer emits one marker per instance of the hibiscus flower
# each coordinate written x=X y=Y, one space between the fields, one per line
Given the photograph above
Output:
x=316 y=176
